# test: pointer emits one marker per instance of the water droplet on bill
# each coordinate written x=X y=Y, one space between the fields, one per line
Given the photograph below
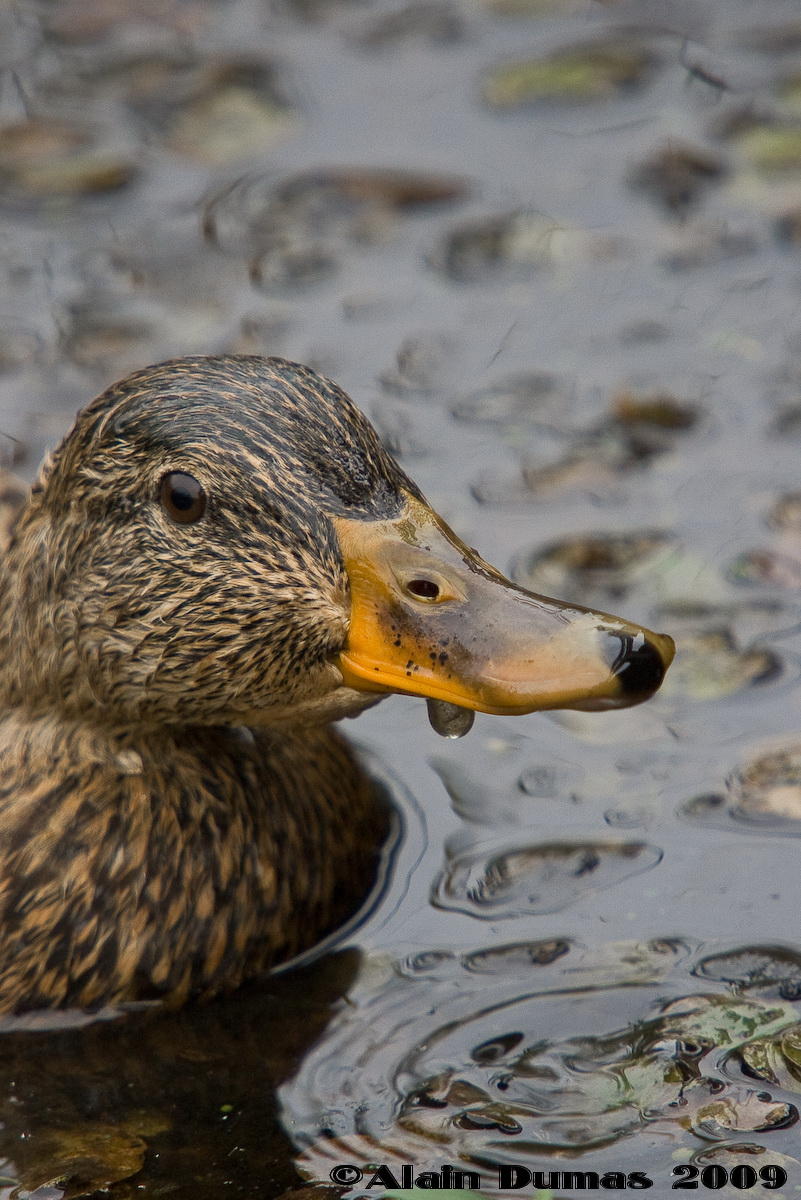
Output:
x=449 y=720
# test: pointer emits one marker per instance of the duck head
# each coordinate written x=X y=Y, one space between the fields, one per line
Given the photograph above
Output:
x=225 y=541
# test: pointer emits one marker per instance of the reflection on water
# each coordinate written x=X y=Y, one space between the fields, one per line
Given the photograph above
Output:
x=552 y=247
x=763 y=793
x=536 y=1050
x=178 y=1105
x=545 y=878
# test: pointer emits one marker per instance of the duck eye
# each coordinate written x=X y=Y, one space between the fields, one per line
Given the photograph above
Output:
x=426 y=589
x=182 y=497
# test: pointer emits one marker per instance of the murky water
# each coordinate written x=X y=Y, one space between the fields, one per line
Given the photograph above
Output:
x=552 y=247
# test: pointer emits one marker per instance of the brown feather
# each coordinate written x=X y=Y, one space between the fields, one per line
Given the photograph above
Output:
x=175 y=815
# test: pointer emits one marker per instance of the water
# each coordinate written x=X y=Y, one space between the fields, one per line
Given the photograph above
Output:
x=585 y=350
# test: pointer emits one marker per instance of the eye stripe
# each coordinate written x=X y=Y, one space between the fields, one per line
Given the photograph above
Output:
x=182 y=497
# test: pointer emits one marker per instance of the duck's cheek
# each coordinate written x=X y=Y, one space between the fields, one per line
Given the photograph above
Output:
x=429 y=617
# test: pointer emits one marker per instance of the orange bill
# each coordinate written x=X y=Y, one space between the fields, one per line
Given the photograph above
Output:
x=431 y=618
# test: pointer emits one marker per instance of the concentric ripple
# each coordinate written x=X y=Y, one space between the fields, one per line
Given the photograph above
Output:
x=530 y=1050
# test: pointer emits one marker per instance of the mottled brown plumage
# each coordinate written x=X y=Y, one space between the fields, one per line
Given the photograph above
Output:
x=175 y=815
x=216 y=563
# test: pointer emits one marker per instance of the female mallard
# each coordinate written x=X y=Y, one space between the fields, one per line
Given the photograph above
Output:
x=218 y=561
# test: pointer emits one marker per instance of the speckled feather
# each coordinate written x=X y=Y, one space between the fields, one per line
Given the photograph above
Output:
x=175 y=815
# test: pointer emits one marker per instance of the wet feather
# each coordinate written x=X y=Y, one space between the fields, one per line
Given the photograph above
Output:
x=175 y=813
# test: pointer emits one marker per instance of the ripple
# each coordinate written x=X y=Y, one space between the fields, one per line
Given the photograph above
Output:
x=514 y=246
x=766 y=968
x=528 y=399
x=599 y=565
x=552 y=1051
x=710 y=665
x=765 y=792
x=501 y=960
x=352 y=204
x=543 y=878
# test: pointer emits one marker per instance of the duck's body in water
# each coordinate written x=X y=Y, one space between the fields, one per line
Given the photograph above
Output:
x=219 y=561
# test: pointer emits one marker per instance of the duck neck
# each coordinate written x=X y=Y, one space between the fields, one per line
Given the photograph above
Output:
x=182 y=862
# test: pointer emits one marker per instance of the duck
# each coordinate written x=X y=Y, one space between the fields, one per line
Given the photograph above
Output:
x=218 y=563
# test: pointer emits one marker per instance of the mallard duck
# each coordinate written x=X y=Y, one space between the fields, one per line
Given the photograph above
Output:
x=218 y=561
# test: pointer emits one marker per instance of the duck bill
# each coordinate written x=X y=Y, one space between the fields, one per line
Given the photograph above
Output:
x=429 y=617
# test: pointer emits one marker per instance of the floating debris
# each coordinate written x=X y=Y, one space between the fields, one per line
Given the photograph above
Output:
x=770 y=787
x=77 y=21
x=292 y=263
x=43 y=160
x=658 y=409
x=400 y=191
x=228 y=124
x=773 y=147
x=593 y=469
x=214 y=111
x=261 y=333
x=775 y=968
x=716 y=655
x=645 y=332
x=527 y=400
x=517 y=956
x=602 y=565
x=787 y=227
x=314 y=10
x=765 y=566
x=786 y=513
x=575 y=75
x=495 y=1053
x=745 y=620
x=515 y=241
x=315 y=216
x=537 y=879
x=705 y=243
x=537 y=8
x=102 y=332
x=640 y=427
x=514 y=245
x=741 y=1110
x=765 y=792
x=710 y=666
x=436 y=21
x=421 y=364
x=777 y=1060
x=787 y=422
x=677 y=175
x=82 y=1161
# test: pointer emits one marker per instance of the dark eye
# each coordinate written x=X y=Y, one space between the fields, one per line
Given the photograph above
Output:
x=182 y=497
x=426 y=589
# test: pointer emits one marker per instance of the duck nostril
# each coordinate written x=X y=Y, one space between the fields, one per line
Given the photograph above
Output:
x=639 y=666
x=425 y=589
